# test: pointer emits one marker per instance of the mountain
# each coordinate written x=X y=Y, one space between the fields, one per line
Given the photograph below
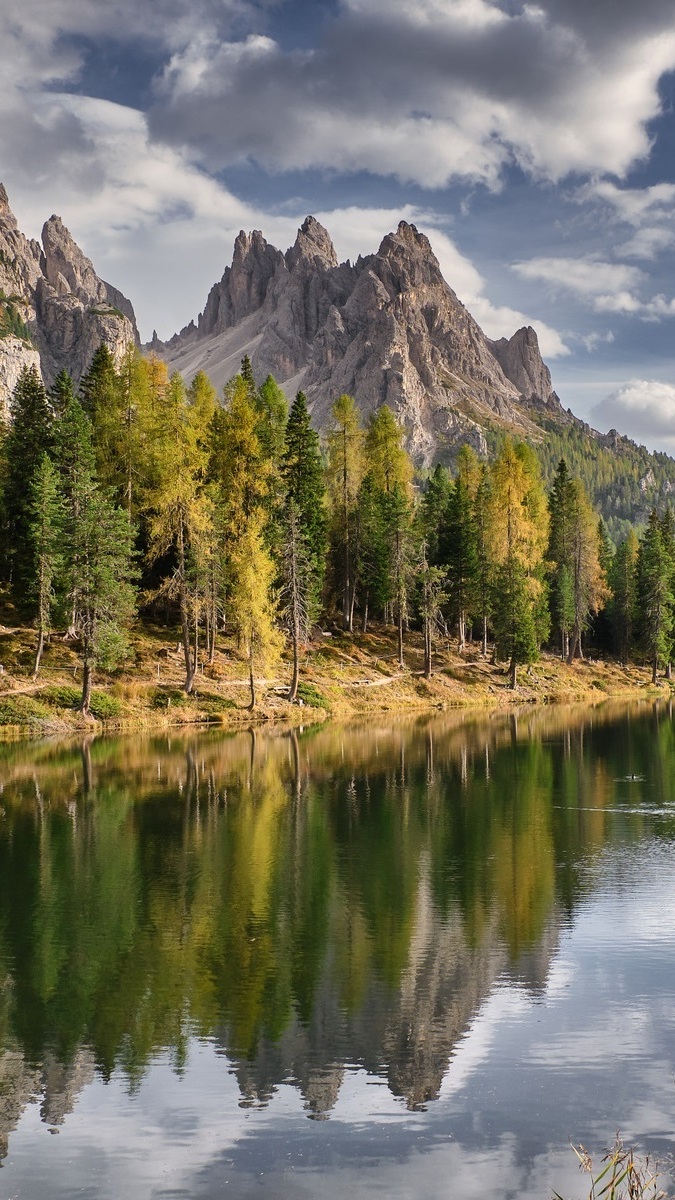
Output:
x=388 y=329
x=54 y=309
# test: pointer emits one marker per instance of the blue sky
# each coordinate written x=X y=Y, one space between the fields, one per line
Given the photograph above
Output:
x=533 y=142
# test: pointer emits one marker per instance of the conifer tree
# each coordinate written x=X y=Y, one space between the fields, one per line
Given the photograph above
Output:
x=371 y=549
x=344 y=476
x=98 y=387
x=29 y=437
x=253 y=601
x=483 y=575
x=47 y=536
x=303 y=483
x=434 y=506
x=589 y=587
x=458 y=551
x=655 y=595
x=518 y=535
x=624 y=593
x=60 y=393
x=180 y=518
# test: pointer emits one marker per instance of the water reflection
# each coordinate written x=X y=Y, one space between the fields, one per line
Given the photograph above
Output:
x=306 y=903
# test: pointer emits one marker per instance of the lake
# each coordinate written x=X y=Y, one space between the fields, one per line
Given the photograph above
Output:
x=409 y=959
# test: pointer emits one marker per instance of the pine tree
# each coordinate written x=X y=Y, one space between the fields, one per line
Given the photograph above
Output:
x=29 y=437
x=431 y=595
x=47 y=536
x=60 y=393
x=435 y=502
x=98 y=387
x=589 y=586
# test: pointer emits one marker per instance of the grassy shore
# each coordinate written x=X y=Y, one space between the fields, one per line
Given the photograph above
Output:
x=343 y=676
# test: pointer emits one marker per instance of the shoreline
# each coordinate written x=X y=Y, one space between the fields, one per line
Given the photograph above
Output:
x=343 y=677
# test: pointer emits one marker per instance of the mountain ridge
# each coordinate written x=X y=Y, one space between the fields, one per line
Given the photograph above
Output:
x=388 y=329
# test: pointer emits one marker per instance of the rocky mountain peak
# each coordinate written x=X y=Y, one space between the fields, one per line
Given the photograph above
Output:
x=387 y=330
x=521 y=362
x=66 y=309
x=6 y=213
x=64 y=265
x=313 y=245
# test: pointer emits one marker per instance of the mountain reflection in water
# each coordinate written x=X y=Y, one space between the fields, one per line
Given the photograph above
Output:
x=305 y=903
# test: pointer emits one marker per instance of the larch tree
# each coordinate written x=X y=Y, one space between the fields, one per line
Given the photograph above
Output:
x=589 y=586
x=179 y=512
x=254 y=608
x=518 y=536
x=390 y=472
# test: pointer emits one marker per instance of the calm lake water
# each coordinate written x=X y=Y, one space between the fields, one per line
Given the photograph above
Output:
x=404 y=960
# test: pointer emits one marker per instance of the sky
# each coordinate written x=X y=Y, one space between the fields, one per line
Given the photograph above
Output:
x=534 y=143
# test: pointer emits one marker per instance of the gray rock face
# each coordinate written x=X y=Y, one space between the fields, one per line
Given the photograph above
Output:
x=388 y=329
x=66 y=308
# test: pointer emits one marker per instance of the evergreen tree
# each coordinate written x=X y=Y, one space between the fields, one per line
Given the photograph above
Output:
x=47 y=536
x=98 y=387
x=344 y=476
x=371 y=549
x=624 y=596
x=458 y=551
x=589 y=587
x=29 y=437
x=303 y=482
x=60 y=393
x=483 y=574
x=655 y=595
x=435 y=502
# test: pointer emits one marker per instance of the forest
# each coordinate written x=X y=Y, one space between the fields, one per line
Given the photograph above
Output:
x=135 y=495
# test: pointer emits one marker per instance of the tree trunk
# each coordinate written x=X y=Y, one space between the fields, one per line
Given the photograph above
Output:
x=512 y=673
x=461 y=624
x=669 y=670
x=485 y=640
x=190 y=665
x=427 y=649
x=655 y=668
x=352 y=604
x=87 y=680
x=400 y=637
x=364 y=623
x=38 y=653
x=293 y=690
x=251 y=680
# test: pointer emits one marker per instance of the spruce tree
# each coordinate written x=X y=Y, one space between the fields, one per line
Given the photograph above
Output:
x=655 y=595
x=29 y=437
x=303 y=483
x=624 y=597
x=458 y=552
x=47 y=516
x=345 y=472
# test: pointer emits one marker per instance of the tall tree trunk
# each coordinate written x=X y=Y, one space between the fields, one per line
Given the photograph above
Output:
x=87 y=680
x=346 y=583
x=190 y=665
x=512 y=673
x=352 y=604
x=655 y=668
x=485 y=640
x=427 y=648
x=251 y=679
x=364 y=622
x=293 y=690
x=669 y=670
x=400 y=636
x=38 y=653
x=461 y=625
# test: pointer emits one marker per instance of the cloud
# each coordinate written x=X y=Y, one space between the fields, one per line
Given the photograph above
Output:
x=428 y=92
x=643 y=409
x=605 y=287
x=632 y=205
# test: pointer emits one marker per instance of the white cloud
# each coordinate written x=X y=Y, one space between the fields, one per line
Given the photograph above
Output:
x=606 y=287
x=643 y=409
x=632 y=205
x=428 y=92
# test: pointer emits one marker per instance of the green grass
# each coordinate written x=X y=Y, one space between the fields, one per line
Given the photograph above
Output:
x=312 y=697
x=22 y=710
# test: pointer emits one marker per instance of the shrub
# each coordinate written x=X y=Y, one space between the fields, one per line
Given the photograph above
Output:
x=312 y=697
x=104 y=706
x=212 y=704
x=62 y=696
x=166 y=697
x=22 y=710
